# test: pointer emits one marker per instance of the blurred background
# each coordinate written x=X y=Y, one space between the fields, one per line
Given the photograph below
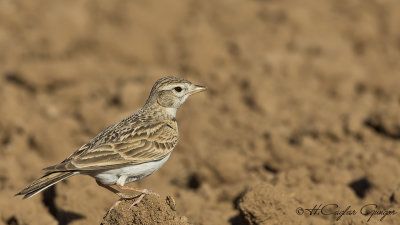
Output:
x=304 y=100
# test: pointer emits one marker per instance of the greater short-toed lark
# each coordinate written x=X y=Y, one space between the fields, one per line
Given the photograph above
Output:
x=130 y=149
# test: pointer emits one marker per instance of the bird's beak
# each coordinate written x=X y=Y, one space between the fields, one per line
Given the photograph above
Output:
x=197 y=89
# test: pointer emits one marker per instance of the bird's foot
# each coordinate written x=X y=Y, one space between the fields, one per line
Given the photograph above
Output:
x=113 y=206
x=124 y=196
x=141 y=190
x=140 y=197
x=150 y=192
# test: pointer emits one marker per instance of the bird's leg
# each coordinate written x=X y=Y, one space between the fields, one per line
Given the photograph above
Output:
x=121 y=184
x=112 y=190
x=120 y=194
x=141 y=190
x=141 y=196
x=115 y=191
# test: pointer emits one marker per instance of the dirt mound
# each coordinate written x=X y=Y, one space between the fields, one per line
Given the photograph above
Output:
x=151 y=210
x=303 y=98
x=266 y=204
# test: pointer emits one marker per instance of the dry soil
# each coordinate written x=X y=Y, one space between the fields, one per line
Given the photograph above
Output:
x=303 y=107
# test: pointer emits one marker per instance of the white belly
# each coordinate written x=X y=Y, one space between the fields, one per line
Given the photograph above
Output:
x=133 y=172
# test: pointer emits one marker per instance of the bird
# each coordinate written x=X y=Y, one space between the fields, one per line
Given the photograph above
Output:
x=130 y=149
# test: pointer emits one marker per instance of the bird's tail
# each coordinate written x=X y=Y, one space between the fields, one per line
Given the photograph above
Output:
x=44 y=182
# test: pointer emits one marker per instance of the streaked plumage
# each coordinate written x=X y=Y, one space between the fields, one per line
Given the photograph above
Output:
x=130 y=149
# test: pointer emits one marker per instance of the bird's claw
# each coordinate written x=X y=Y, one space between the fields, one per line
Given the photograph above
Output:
x=140 y=197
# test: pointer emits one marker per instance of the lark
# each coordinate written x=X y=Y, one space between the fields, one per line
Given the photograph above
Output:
x=129 y=150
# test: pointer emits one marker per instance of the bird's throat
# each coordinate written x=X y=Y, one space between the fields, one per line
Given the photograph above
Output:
x=171 y=112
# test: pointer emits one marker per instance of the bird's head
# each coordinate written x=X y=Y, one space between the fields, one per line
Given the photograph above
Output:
x=172 y=92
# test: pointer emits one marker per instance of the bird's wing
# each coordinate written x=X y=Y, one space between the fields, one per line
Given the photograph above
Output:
x=145 y=143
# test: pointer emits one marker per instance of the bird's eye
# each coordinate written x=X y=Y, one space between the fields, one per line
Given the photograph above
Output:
x=178 y=89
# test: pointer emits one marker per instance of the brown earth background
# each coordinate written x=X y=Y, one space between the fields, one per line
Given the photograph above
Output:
x=303 y=106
